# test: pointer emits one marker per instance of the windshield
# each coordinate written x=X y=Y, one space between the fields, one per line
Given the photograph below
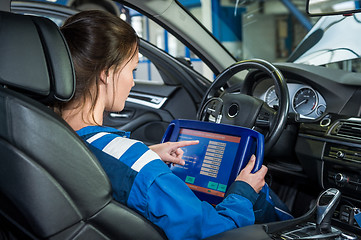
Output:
x=280 y=31
x=332 y=42
x=270 y=29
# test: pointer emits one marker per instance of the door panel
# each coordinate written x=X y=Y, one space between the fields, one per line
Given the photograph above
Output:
x=147 y=115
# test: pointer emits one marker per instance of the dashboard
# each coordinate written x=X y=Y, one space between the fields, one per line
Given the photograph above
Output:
x=322 y=147
x=304 y=100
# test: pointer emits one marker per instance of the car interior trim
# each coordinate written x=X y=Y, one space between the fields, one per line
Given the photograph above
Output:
x=147 y=100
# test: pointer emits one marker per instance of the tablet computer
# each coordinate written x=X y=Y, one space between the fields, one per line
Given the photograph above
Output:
x=212 y=165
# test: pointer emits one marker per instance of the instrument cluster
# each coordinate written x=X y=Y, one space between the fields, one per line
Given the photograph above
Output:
x=304 y=100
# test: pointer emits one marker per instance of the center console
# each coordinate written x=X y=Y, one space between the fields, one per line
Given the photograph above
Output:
x=342 y=168
x=318 y=223
x=336 y=163
x=308 y=230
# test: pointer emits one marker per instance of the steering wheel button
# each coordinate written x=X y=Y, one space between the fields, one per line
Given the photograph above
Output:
x=233 y=110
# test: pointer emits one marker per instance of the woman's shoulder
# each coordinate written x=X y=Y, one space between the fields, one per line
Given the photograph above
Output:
x=115 y=143
x=90 y=131
x=112 y=141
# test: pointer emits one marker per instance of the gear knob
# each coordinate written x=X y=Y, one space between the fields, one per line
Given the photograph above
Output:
x=326 y=205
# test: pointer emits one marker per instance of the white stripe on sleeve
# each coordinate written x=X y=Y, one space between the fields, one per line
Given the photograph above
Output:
x=96 y=136
x=118 y=146
x=147 y=157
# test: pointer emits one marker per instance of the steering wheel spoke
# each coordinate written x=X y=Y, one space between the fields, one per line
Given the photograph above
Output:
x=265 y=117
x=212 y=110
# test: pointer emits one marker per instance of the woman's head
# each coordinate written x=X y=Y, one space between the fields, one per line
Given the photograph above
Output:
x=101 y=45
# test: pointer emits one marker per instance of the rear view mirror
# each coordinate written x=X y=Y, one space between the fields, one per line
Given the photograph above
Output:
x=332 y=7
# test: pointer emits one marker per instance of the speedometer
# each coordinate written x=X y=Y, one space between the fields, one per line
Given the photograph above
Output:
x=304 y=101
x=271 y=97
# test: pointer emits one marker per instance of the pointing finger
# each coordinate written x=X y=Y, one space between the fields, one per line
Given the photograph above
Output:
x=185 y=143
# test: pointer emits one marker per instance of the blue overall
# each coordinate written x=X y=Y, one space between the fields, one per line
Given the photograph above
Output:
x=145 y=183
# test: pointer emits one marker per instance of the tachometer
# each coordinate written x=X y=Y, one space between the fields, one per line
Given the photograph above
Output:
x=304 y=101
x=271 y=97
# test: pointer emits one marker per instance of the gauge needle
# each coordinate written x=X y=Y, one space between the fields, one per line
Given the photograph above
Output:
x=300 y=103
x=273 y=99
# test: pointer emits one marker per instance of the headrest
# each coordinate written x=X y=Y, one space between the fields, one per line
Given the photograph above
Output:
x=34 y=58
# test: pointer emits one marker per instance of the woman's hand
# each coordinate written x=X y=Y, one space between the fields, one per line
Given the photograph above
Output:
x=170 y=152
x=255 y=180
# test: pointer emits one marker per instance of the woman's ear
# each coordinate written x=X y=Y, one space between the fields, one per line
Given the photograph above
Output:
x=104 y=77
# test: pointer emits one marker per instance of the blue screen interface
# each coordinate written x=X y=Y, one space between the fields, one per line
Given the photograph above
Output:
x=208 y=165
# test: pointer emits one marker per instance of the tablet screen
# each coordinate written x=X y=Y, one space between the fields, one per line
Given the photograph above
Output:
x=208 y=165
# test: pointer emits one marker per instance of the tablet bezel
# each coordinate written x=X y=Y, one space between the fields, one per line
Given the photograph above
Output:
x=248 y=140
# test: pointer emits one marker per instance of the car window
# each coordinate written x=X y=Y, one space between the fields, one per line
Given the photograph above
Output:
x=158 y=36
x=146 y=71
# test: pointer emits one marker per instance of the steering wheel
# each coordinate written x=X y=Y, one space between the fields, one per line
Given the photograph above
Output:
x=221 y=105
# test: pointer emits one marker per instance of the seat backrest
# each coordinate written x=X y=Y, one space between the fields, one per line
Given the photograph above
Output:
x=51 y=185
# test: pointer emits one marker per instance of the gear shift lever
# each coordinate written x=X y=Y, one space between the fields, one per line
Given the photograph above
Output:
x=326 y=204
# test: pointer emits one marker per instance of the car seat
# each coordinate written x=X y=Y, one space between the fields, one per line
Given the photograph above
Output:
x=51 y=185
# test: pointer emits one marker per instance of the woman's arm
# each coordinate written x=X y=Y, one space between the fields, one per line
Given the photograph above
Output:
x=174 y=207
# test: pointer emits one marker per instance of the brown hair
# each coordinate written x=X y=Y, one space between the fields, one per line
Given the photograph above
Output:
x=97 y=41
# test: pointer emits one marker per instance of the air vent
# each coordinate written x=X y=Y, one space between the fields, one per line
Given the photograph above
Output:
x=349 y=130
x=341 y=152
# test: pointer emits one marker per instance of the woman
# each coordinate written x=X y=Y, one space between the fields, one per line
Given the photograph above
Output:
x=105 y=53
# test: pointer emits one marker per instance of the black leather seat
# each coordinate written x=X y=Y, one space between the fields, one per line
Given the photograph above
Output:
x=51 y=185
